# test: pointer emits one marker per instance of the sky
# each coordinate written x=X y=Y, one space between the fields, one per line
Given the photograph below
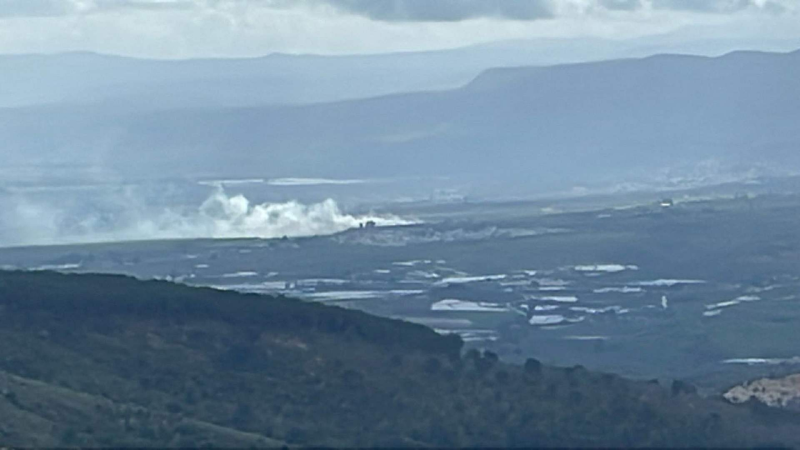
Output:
x=238 y=28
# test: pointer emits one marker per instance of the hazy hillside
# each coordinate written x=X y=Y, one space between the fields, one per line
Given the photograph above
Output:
x=130 y=83
x=615 y=118
x=94 y=360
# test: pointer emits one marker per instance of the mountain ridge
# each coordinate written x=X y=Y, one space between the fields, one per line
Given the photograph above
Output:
x=551 y=128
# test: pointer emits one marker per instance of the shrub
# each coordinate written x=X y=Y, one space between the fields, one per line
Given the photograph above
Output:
x=533 y=366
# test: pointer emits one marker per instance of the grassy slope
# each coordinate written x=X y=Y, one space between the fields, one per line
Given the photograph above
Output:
x=109 y=360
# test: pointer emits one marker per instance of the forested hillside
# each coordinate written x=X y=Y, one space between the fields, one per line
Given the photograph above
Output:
x=100 y=360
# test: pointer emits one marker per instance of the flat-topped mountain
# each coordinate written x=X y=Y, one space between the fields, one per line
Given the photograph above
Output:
x=539 y=127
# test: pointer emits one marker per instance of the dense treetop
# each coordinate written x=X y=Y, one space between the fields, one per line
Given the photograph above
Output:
x=102 y=360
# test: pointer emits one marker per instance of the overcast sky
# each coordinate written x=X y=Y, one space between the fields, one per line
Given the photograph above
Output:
x=228 y=28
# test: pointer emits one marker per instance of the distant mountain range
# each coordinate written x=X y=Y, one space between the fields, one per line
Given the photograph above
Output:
x=538 y=126
x=87 y=78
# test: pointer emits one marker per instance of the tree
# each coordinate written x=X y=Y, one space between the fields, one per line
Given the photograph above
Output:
x=681 y=387
x=533 y=366
x=242 y=415
x=432 y=366
x=472 y=355
x=502 y=377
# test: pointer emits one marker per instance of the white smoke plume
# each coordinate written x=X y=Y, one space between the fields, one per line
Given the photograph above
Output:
x=236 y=217
x=23 y=222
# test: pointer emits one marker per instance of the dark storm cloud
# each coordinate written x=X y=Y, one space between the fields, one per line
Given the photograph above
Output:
x=444 y=10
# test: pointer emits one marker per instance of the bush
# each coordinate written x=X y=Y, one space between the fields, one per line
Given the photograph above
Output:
x=532 y=366
x=432 y=366
x=502 y=377
x=681 y=387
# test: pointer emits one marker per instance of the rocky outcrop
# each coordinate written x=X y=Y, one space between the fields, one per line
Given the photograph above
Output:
x=775 y=392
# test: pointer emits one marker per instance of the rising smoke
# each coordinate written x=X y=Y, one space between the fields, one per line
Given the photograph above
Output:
x=126 y=216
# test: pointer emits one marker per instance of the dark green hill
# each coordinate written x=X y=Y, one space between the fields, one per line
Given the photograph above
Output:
x=99 y=360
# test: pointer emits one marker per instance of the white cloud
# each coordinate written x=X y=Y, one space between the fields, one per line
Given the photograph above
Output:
x=195 y=28
x=35 y=8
